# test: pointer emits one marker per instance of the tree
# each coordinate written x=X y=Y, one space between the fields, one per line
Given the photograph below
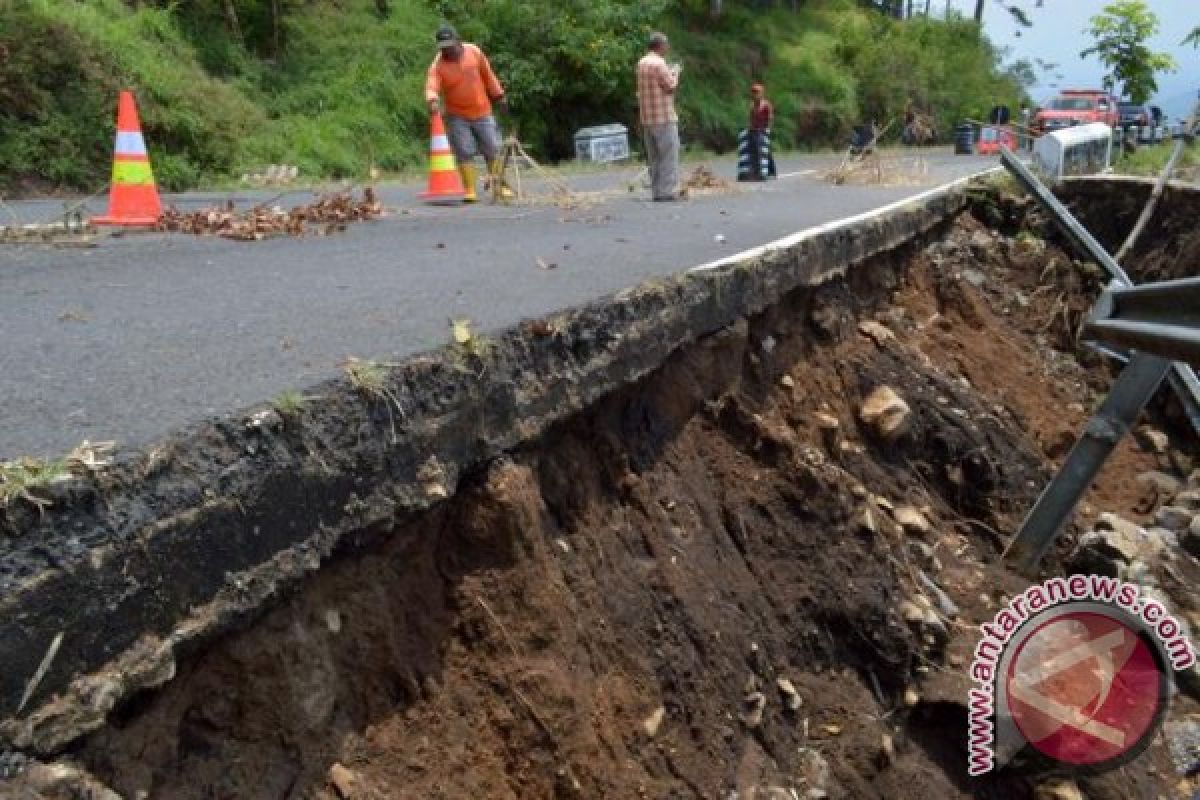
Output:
x=1022 y=73
x=1121 y=34
x=1019 y=14
x=1193 y=37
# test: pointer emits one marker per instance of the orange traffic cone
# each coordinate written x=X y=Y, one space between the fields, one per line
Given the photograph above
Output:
x=445 y=183
x=133 y=197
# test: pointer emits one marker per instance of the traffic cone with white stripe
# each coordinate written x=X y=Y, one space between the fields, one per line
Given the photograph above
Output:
x=445 y=183
x=133 y=197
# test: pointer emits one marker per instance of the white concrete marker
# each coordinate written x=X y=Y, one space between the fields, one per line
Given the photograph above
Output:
x=795 y=238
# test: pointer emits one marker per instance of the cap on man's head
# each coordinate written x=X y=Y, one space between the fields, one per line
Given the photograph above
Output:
x=657 y=40
x=446 y=36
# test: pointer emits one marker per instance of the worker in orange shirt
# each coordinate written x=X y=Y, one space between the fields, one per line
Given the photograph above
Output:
x=463 y=78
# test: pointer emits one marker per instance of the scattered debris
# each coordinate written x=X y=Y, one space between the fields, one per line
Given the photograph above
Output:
x=703 y=180
x=329 y=214
x=36 y=680
x=71 y=232
x=90 y=457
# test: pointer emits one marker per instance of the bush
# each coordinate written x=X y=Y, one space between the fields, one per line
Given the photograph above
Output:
x=335 y=86
x=65 y=65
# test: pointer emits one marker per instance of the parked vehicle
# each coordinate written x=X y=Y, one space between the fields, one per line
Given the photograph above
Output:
x=1162 y=131
x=1140 y=121
x=1137 y=122
x=1073 y=107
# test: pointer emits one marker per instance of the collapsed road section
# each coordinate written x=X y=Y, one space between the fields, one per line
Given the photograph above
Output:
x=726 y=535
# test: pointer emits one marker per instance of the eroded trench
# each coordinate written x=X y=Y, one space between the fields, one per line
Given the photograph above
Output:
x=718 y=581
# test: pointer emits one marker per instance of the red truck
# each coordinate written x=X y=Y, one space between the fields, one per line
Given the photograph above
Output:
x=1072 y=107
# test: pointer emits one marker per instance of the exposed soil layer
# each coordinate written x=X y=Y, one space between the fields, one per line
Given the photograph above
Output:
x=1169 y=248
x=624 y=607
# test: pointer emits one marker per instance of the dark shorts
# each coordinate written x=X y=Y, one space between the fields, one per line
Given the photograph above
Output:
x=465 y=134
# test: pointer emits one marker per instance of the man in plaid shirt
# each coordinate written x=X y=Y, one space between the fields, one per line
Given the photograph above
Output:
x=656 y=84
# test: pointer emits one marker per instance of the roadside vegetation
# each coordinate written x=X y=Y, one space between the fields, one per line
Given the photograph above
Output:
x=228 y=86
x=1151 y=160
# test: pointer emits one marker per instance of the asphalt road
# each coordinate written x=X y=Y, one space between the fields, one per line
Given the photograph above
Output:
x=142 y=333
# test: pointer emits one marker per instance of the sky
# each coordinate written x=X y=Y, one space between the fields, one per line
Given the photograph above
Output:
x=1057 y=36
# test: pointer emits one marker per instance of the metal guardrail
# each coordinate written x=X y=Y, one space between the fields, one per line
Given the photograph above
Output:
x=1133 y=389
x=1160 y=318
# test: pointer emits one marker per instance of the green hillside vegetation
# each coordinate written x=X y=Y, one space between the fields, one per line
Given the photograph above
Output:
x=335 y=86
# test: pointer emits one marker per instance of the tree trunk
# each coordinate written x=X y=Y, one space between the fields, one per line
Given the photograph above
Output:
x=979 y=11
x=231 y=20
x=715 y=7
x=910 y=2
x=276 y=29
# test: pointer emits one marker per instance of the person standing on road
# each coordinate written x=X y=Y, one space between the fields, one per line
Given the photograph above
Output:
x=656 y=85
x=462 y=77
x=762 y=115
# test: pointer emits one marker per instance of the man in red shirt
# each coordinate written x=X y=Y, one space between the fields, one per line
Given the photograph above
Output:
x=762 y=115
x=463 y=77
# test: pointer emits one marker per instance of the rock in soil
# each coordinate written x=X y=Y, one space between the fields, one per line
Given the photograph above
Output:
x=1059 y=790
x=1153 y=440
x=1190 y=539
x=343 y=781
x=653 y=722
x=886 y=413
x=1173 y=518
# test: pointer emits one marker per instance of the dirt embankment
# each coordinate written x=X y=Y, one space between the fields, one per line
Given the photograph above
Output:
x=1168 y=249
x=717 y=582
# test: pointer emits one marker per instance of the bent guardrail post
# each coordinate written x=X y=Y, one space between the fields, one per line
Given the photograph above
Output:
x=1159 y=318
x=1182 y=377
x=1134 y=387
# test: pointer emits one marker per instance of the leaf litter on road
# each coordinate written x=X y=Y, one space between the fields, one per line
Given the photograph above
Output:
x=328 y=215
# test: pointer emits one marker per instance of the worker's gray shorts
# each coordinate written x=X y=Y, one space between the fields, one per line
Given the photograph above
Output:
x=465 y=133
